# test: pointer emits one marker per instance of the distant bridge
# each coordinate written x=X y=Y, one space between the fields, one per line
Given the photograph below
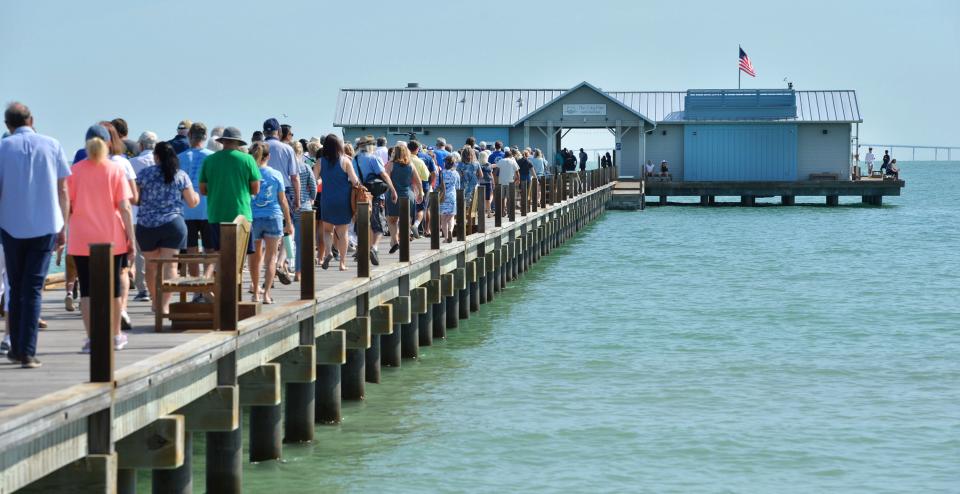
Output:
x=913 y=150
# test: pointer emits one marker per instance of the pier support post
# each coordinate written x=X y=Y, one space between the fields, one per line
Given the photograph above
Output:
x=410 y=333
x=481 y=279
x=363 y=240
x=748 y=200
x=260 y=390
x=92 y=474
x=512 y=201
x=331 y=350
x=381 y=324
x=404 y=229
x=498 y=206
x=489 y=279
x=452 y=311
x=298 y=370
x=224 y=457
x=372 y=360
x=353 y=371
x=833 y=200
x=434 y=222
x=872 y=200
x=663 y=200
x=788 y=200
x=704 y=200
x=462 y=282
x=461 y=216
x=390 y=344
x=425 y=319
x=178 y=480
x=473 y=286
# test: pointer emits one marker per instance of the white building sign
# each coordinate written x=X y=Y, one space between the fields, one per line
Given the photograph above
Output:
x=585 y=109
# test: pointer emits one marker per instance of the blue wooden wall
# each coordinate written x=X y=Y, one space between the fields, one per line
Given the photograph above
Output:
x=740 y=152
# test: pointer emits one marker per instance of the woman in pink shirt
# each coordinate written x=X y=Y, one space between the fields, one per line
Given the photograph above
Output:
x=100 y=212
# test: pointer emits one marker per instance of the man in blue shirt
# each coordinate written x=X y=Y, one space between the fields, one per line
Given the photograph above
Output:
x=441 y=152
x=179 y=141
x=198 y=230
x=283 y=160
x=497 y=153
x=368 y=165
x=33 y=173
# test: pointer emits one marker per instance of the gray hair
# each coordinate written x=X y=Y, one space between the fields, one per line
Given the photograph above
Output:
x=441 y=141
x=147 y=140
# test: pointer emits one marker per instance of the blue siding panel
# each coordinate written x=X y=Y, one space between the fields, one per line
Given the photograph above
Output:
x=740 y=152
x=492 y=134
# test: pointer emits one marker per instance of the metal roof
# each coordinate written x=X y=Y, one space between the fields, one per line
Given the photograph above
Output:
x=505 y=107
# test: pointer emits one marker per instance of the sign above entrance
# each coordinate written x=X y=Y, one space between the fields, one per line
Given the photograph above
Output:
x=585 y=109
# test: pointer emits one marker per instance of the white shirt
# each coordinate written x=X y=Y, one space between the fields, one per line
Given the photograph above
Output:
x=383 y=153
x=648 y=167
x=506 y=170
x=870 y=158
x=130 y=173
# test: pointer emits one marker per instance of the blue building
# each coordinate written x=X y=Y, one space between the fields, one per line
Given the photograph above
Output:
x=705 y=135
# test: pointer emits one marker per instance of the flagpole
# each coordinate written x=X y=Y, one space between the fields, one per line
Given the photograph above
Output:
x=738 y=66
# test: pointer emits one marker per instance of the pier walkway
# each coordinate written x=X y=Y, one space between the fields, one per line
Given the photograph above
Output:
x=64 y=429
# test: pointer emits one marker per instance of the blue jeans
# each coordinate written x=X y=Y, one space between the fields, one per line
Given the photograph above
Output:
x=27 y=262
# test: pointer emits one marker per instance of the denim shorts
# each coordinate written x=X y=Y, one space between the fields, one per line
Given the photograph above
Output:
x=266 y=228
x=170 y=235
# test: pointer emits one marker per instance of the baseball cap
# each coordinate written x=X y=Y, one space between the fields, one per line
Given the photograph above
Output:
x=271 y=125
x=97 y=130
x=184 y=125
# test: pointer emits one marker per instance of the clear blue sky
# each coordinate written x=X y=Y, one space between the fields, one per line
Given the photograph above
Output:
x=237 y=63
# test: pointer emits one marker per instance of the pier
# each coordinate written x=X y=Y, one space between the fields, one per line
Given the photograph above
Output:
x=632 y=194
x=88 y=423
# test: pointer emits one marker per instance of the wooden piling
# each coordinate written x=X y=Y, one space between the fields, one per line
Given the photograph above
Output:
x=787 y=200
x=434 y=221
x=265 y=433
x=498 y=206
x=177 y=480
x=480 y=196
x=833 y=200
x=331 y=350
x=512 y=201
x=224 y=450
x=461 y=216
x=523 y=198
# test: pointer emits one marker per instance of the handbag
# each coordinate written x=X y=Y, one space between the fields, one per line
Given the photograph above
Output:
x=442 y=192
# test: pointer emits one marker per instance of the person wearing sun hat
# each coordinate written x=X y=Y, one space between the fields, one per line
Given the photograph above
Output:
x=228 y=178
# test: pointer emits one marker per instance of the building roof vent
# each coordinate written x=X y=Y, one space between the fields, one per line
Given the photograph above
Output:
x=413 y=85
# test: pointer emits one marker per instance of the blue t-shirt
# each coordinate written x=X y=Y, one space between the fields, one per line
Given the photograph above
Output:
x=266 y=204
x=369 y=164
x=30 y=166
x=191 y=161
x=495 y=157
x=441 y=155
x=160 y=202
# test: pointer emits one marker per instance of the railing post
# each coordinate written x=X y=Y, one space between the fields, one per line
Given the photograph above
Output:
x=512 y=201
x=403 y=229
x=523 y=198
x=461 y=216
x=101 y=313
x=481 y=195
x=434 y=222
x=498 y=205
x=227 y=274
x=363 y=240
x=307 y=250
x=535 y=195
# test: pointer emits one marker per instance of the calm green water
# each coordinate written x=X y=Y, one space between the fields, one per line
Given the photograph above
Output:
x=685 y=349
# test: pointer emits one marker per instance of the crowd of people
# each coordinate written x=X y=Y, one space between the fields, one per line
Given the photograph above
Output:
x=888 y=165
x=154 y=199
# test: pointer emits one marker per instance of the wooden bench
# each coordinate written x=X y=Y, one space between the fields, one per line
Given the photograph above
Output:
x=234 y=236
x=824 y=176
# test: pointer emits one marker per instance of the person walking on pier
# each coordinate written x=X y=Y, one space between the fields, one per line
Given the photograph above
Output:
x=100 y=212
x=450 y=181
x=408 y=184
x=583 y=160
x=117 y=150
x=337 y=176
x=179 y=141
x=869 y=159
x=424 y=174
x=471 y=174
x=160 y=229
x=33 y=178
x=198 y=230
x=271 y=219
x=375 y=178
x=140 y=162
x=308 y=194
x=228 y=178
x=886 y=161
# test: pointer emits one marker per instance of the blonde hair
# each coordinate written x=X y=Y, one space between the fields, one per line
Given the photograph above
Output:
x=400 y=154
x=97 y=150
x=298 y=149
x=348 y=150
x=260 y=151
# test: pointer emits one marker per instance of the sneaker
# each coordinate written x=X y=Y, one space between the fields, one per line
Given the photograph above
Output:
x=120 y=341
x=394 y=248
x=68 y=304
x=142 y=297
x=374 y=258
x=125 y=321
x=30 y=363
x=12 y=357
x=42 y=324
x=5 y=345
x=283 y=276
x=86 y=346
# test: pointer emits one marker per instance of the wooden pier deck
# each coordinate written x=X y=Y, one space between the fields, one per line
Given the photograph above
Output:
x=61 y=432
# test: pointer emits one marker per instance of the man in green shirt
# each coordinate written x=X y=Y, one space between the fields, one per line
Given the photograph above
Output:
x=228 y=178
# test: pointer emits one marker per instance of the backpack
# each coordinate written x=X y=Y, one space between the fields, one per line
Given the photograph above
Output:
x=373 y=183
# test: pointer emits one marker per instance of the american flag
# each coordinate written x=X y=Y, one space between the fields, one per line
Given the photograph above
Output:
x=745 y=64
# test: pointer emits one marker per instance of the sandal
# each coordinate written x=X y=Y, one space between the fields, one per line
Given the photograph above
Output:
x=267 y=299
x=326 y=262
